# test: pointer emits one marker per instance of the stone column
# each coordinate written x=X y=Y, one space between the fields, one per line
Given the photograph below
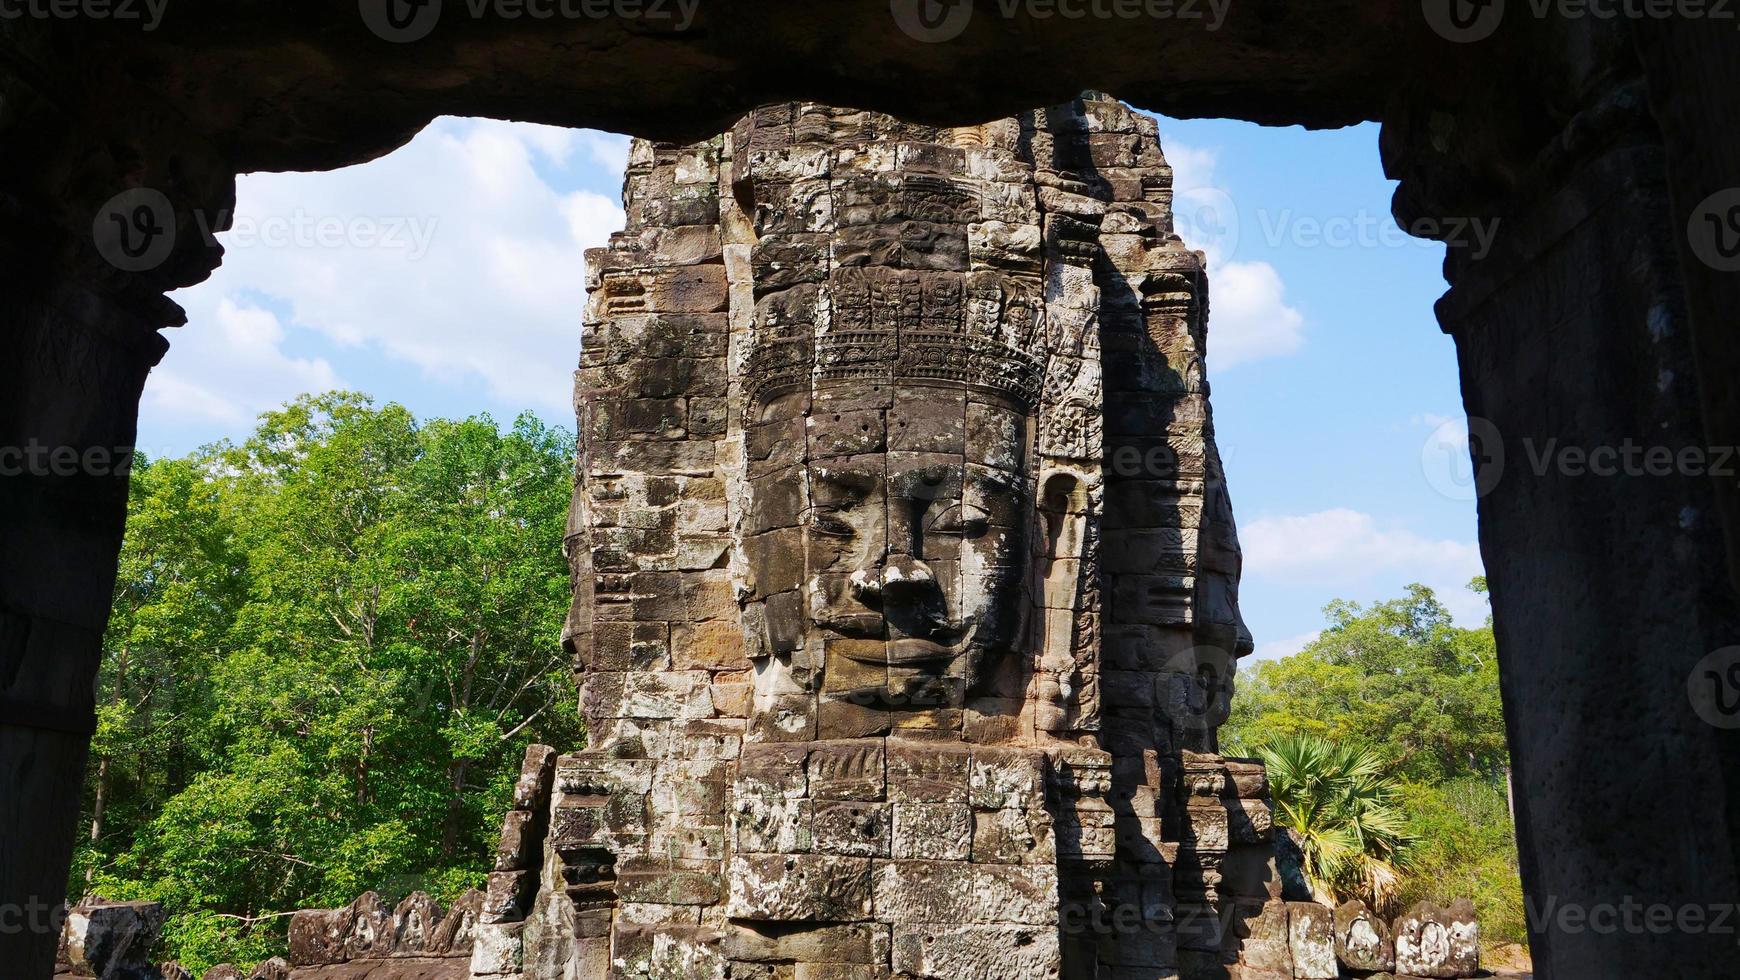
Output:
x=92 y=235
x=1608 y=590
x=69 y=400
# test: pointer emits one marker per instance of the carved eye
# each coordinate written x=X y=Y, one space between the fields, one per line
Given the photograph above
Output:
x=963 y=519
x=829 y=523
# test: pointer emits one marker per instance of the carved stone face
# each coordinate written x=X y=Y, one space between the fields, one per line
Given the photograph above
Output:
x=910 y=510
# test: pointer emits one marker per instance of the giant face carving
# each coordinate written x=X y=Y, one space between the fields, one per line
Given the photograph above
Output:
x=909 y=512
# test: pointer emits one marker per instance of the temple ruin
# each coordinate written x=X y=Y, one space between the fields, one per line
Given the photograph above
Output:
x=1601 y=149
x=905 y=572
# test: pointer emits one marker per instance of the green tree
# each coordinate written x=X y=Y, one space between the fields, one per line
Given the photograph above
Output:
x=386 y=642
x=181 y=581
x=1345 y=815
x=1398 y=682
x=1398 y=676
x=1465 y=847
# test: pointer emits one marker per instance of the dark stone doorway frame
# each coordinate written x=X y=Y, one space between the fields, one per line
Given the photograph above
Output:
x=1594 y=143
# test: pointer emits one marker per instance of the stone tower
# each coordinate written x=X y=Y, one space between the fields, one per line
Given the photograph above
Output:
x=905 y=577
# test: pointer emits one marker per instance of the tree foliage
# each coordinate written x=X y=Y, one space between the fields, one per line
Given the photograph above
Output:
x=1396 y=682
x=1398 y=676
x=330 y=646
x=1342 y=806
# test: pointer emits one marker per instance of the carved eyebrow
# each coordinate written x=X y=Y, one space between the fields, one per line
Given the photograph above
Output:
x=857 y=483
x=995 y=480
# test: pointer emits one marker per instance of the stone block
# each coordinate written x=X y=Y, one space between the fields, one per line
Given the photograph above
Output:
x=923 y=892
x=1438 y=942
x=857 y=943
x=100 y=935
x=928 y=773
x=318 y=936
x=1362 y=940
x=1006 y=779
x=645 y=881
x=1013 y=837
x=933 y=831
x=497 y=949
x=512 y=849
x=537 y=776
x=851 y=828
x=853 y=770
x=1311 y=938
x=995 y=952
x=506 y=897
x=799 y=887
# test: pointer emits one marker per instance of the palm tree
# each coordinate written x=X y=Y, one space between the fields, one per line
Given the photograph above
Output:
x=1341 y=806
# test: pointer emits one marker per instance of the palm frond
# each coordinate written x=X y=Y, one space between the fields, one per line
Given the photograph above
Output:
x=1340 y=801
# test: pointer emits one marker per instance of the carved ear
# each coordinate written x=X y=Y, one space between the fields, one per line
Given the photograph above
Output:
x=1063 y=512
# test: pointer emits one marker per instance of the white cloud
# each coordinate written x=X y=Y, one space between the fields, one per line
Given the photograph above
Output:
x=1192 y=166
x=1349 y=550
x=1249 y=318
x=454 y=254
x=608 y=150
x=233 y=366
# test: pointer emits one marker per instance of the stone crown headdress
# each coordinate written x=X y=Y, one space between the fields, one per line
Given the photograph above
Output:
x=993 y=342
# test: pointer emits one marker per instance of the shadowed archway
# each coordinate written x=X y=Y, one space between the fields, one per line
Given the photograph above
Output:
x=1602 y=148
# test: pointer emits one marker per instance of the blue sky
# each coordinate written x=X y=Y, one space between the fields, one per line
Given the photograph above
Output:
x=448 y=276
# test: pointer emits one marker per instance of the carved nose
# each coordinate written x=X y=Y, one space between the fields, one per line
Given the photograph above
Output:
x=898 y=578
